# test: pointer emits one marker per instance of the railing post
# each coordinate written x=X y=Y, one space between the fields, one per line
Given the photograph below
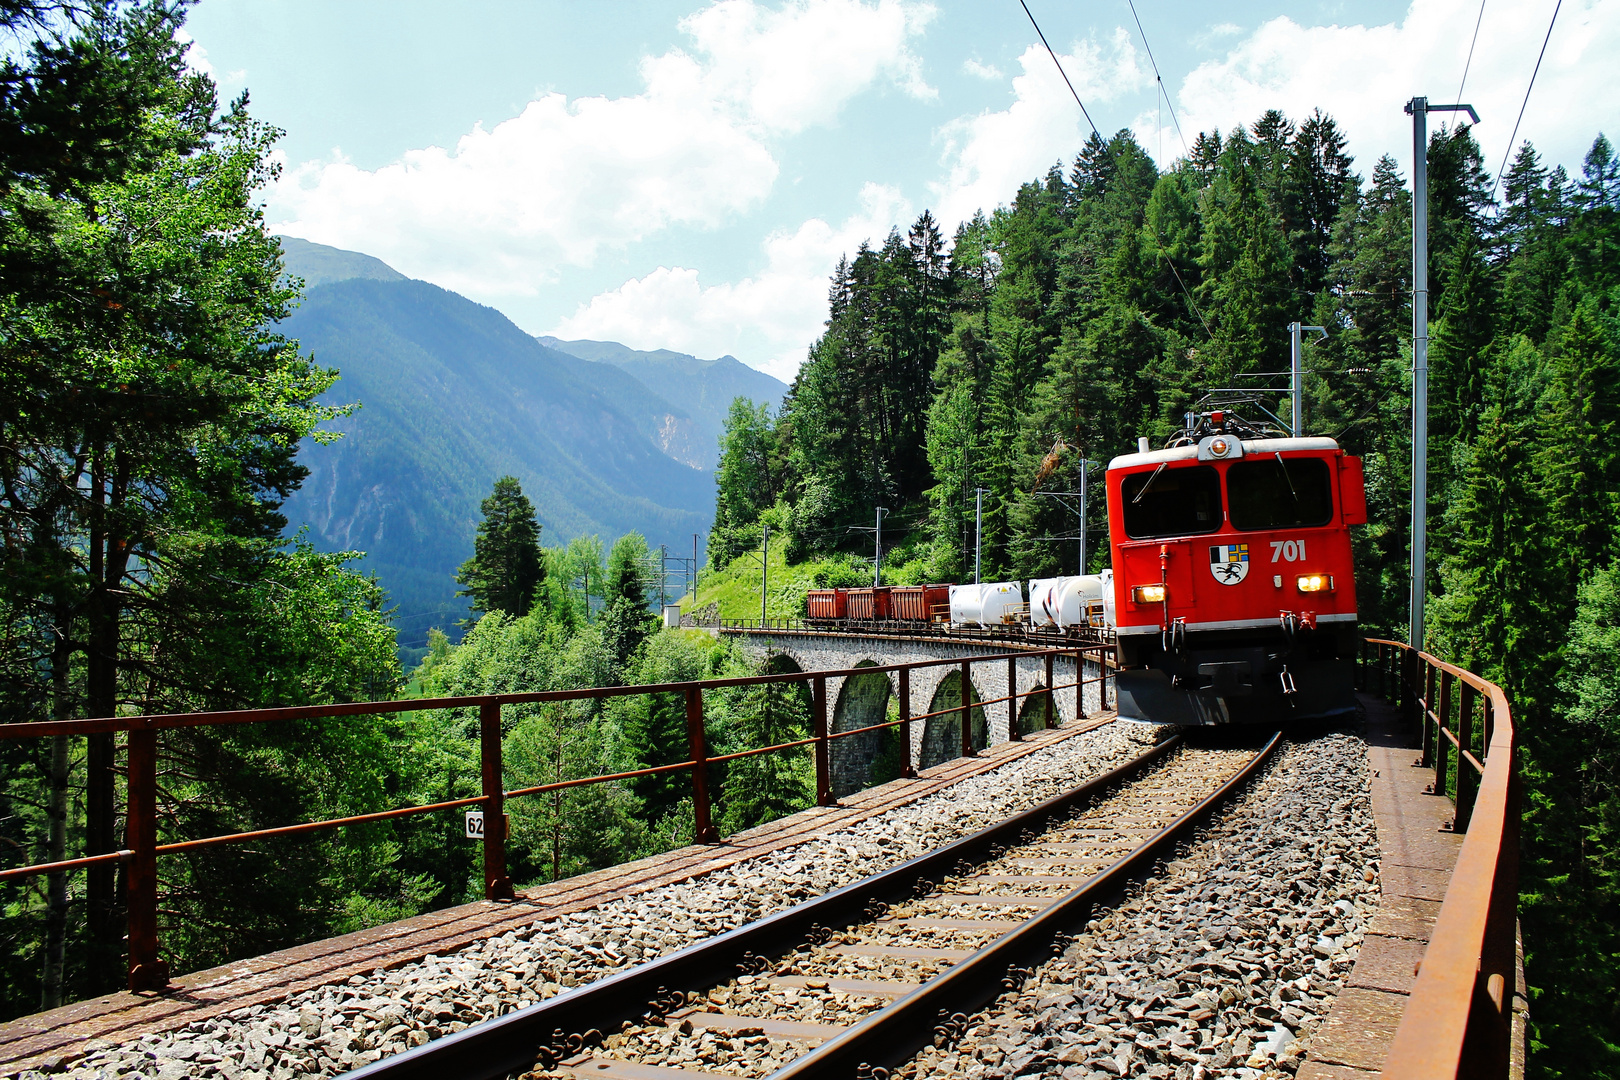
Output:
x=146 y=970
x=703 y=830
x=1490 y=729
x=497 y=886
x=1403 y=683
x=1428 y=702
x=907 y=769
x=1102 y=673
x=967 y=714
x=824 y=794
x=1013 y=734
x=1467 y=779
x=1079 y=684
x=1442 y=714
x=1442 y=754
x=1049 y=701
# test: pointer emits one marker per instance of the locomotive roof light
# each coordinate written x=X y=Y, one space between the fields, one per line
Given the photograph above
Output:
x=1315 y=582
x=1221 y=447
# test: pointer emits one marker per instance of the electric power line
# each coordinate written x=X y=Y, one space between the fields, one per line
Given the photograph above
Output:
x=1470 y=61
x=1522 y=105
x=1159 y=78
x=1061 y=72
x=1171 y=263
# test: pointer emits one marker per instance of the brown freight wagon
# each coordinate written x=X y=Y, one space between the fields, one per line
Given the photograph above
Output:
x=919 y=603
x=826 y=603
x=869 y=605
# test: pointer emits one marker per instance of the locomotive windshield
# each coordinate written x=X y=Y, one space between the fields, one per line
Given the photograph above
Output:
x=1273 y=492
x=1172 y=502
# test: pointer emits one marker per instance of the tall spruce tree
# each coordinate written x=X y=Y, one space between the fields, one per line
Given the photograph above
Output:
x=625 y=620
x=506 y=568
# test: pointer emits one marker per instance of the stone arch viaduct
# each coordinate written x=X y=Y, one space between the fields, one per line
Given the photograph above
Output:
x=863 y=700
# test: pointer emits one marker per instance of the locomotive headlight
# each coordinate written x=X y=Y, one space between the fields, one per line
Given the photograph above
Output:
x=1148 y=594
x=1219 y=447
x=1315 y=583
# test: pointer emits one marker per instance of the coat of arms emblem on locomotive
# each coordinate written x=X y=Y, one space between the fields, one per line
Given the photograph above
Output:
x=1229 y=563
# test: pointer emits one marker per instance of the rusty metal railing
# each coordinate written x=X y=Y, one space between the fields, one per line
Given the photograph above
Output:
x=149 y=970
x=1458 y=1019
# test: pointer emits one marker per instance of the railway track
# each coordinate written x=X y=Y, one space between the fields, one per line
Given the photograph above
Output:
x=858 y=980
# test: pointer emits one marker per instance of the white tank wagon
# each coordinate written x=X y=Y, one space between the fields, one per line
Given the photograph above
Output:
x=1072 y=601
x=987 y=604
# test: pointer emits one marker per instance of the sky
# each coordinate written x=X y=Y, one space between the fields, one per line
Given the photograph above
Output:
x=686 y=175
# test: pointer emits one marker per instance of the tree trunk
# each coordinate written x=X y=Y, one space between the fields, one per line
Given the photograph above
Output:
x=56 y=899
x=56 y=813
x=108 y=563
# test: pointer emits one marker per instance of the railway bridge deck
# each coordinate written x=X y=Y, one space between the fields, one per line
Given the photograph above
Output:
x=1444 y=898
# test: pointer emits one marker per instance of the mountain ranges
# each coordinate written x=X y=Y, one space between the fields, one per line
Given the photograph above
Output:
x=452 y=395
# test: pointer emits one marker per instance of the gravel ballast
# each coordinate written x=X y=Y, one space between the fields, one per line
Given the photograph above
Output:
x=329 y=1030
x=1224 y=963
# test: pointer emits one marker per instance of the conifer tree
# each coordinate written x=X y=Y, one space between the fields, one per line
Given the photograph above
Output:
x=506 y=568
x=625 y=621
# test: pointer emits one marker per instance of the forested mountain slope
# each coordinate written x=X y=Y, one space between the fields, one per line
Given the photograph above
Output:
x=452 y=396
x=704 y=388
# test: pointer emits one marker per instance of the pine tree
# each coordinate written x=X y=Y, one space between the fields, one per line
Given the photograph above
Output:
x=1316 y=180
x=1582 y=457
x=506 y=569
x=625 y=621
x=1503 y=575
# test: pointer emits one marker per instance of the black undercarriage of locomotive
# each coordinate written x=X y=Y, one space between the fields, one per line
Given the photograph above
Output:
x=1255 y=675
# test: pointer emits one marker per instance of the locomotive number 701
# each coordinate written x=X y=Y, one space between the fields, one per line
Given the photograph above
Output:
x=1289 y=550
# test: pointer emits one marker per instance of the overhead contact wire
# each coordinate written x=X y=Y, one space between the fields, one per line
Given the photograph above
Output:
x=1525 y=103
x=1471 y=43
x=1160 y=79
x=1061 y=72
x=1094 y=131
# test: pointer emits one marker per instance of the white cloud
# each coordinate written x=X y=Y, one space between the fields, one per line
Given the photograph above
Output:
x=988 y=72
x=197 y=60
x=774 y=315
x=795 y=67
x=1225 y=29
x=989 y=155
x=504 y=210
x=1363 y=75
x=196 y=55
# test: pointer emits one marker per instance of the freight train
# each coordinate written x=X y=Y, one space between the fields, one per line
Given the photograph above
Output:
x=1231 y=596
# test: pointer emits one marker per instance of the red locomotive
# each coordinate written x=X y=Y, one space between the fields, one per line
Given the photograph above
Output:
x=1233 y=592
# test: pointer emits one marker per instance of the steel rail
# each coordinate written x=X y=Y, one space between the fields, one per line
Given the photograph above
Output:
x=892 y=1035
x=508 y=1044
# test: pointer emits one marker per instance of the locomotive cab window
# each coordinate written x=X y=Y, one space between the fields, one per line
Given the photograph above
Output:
x=1273 y=492
x=1172 y=502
